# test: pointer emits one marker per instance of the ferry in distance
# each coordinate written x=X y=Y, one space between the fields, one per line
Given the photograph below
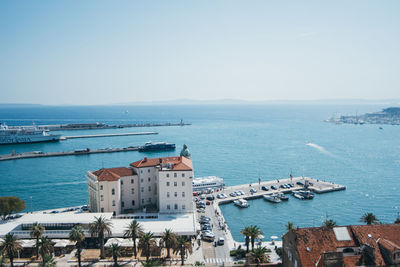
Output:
x=24 y=135
x=207 y=182
x=149 y=146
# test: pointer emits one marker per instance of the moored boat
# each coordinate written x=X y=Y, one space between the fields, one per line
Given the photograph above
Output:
x=282 y=196
x=242 y=203
x=149 y=146
x=272 y=198
x=25 y=134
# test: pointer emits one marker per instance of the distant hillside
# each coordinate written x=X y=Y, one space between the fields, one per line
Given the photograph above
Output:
x=389 y=115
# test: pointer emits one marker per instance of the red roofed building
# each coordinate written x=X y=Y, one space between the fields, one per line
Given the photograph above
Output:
x=157 y=185
x=355 y=245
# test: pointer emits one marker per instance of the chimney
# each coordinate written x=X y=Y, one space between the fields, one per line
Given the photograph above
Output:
x=144 y=159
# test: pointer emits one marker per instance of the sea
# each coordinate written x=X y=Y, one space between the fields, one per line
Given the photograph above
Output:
x=240 y=143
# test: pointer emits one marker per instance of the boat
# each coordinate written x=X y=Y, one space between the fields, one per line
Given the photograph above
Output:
x=242 y=203
x=281 y=196
x=305 y=194
x=272 y=198
x=296 y=195
x=202 y=183
x=150 y=146
x=25 y=135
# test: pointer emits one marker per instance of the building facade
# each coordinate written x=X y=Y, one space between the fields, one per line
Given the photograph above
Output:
x=161 y=185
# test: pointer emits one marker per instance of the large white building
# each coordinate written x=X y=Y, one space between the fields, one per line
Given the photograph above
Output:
x=162 y=185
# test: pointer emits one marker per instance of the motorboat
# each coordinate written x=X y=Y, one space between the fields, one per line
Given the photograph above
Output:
x=281 y=196
x=272 y=198
x=305 y=194
x=242 y=203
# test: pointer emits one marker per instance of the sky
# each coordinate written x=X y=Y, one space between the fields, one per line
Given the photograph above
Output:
x=108 y=52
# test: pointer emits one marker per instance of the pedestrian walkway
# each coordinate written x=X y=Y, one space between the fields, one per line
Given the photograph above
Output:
x=218 y=260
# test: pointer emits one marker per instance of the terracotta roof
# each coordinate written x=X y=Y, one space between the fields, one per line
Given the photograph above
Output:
x=112 y=174
x=177 y=163
x=312 y=242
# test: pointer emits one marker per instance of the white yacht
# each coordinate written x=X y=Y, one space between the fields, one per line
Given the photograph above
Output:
x=242 y=203
x=25 y=134
x=207 y=182
x=272 y=198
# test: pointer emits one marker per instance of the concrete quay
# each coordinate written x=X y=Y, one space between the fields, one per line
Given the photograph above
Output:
x=106 y=135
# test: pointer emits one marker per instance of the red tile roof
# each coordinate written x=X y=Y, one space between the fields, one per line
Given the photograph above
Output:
x=177 y=163
x=112 y=174
x=312 y=242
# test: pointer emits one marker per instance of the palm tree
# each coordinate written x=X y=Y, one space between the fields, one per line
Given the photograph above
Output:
x=183 y=245
x=255 y=233
x=397 y=221
x=2 y=261
x=77 y=235
x=45 y=248
x=11 y=246
x=369 y=218
x=329 y=223
x=290 y=226
x=48 y=261
x=134 y=231
x=258 y=255
x=115 y=252
x=169 y=240
x=98 y=228
x=145 y=242
x=246 y=233
x=36 y=232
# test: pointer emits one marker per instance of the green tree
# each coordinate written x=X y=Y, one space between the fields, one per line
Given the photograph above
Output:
x=289 y=226
x=77 y=235
x=150 y=263
x=329 y=223
x=2 y=261
x=168 y=240
x=115 y=252
x=183 y=245
x=45 y=249
x=9 y=205
x=369 y=218
x=48 y=261
x=246 y=232
x=146 y=241
x=11 y=246
x=134 y=231
x=259 y=255
x=255 y=233
x=36 y=231
x=98 y=228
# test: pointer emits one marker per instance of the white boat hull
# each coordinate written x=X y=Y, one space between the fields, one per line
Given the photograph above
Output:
x=25 y=139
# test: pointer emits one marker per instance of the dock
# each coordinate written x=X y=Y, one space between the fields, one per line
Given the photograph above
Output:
x=40 y=154
x=316 y=186
x=105 y=135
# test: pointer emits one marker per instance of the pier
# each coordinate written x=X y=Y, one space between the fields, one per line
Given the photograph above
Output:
x=40 y=154
x=105 y=135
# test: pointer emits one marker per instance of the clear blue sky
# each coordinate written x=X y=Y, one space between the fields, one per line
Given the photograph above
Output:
x=101 y=52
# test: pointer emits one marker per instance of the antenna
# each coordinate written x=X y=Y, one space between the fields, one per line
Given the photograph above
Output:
x=102 y=164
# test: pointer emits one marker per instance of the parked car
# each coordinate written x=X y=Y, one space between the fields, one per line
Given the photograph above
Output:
x=223 y=195
x=202 y=197
x=241 y=192
x=264 y=188
x=195 y=194
x=233 y=194
x=273 y=187
x=221 y=241
x=253 y=190
x=211 y=197
x=300 y=183
x=208 y=203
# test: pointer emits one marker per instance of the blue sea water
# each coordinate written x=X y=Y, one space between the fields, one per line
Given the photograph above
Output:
x=237 y=142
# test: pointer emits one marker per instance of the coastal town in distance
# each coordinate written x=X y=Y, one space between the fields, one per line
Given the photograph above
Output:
x=199 y=133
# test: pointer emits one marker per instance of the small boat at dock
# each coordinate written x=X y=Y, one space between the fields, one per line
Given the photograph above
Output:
x=272 y=198
x=282 y=196
x=242 y=203
x=303 y=194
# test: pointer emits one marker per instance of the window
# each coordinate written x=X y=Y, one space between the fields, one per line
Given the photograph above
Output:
x=149 y=188
x=176 y=194
x=148 y=170
x=183 y=194
x=167 y=174
x=133 y=191
x=176 y=206
x=101 y=198
x=167 y=194
x=168 y=207
x=122 y=182
x=167 y=183
x=175 y=175
x=102 y=209
x=148 y=179
x=175 y=184
x=133 y=202
x=142 y=189
x=141 y=180
x=141 y=171
x=131 y=181
x=113 y=191
x=142 y=200
x=183 y=183
x=183 y=175
x=149 y=200
x=183 y=206
x=101 y=187
x=122 y=204
x=113 y=203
